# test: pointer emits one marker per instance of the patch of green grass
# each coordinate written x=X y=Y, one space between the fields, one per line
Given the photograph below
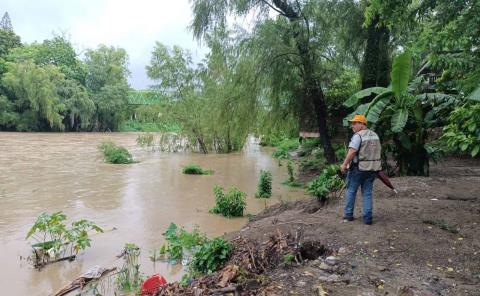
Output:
x=442 y=224
x=195 y=169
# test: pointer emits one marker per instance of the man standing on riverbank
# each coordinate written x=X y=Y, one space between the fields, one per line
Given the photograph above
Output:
x=363 y=161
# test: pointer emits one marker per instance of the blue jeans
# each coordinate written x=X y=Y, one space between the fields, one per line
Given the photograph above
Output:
x=355 y=179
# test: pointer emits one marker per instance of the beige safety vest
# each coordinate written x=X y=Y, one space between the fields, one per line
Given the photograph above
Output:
x=370 y=152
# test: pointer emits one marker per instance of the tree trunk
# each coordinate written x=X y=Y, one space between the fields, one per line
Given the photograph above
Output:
x=376 y=60
x=314 y=94
x=321 y=112
x=312 y=89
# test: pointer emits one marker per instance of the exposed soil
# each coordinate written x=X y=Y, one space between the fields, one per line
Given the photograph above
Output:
x=424 y=241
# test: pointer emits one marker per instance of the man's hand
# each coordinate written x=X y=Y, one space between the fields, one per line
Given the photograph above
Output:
x=348 y=159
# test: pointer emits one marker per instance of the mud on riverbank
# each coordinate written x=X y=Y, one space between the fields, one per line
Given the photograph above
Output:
x=424 y=241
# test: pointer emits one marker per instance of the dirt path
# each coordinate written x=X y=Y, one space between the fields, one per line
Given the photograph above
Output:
x=424 y=241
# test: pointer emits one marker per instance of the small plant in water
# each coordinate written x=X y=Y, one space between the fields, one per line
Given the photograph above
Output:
x=264 y=189
x=208 y=255
x=180 y=241
x=195 y=169
x=129 y=278
x=231 y=204
x=291 y=177
x=145 y=140
x=55 y=241
x=115 y=154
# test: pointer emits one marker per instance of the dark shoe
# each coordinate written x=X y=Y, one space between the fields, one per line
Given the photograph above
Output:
x=368 y=222
x=348 y=219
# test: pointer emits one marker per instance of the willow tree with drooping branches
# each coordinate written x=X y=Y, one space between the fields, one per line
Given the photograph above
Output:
x=293 y=49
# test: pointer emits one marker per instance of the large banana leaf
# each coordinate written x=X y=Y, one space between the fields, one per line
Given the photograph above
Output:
x=399 y=120
x=415 y=83
x=475 y=96
x=353 y=100
x=375 y=108
x=402 y=66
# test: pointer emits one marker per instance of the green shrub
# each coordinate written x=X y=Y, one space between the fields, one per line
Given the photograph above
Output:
x=340 y=151
x=195 y=169
x=264 y=189
x=308 y=145
x=314 y=162
x=284 y=147
x=231 y=204
x=129 y=279
x=325 y=184
x=115 y=154
x=179 y=239
x=463 y=130
x=55 y=240
x=211 y=256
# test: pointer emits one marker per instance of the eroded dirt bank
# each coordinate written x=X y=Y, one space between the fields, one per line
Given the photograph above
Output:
x=424 y=241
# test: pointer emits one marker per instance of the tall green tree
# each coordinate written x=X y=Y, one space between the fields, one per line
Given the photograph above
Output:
x=35 y=95
x=225 y=82
x=301 y=29
x=6 y=23
x=8 y=41
x=449 y=35
x=173 y=71
x=59 y=51
x=107 y=71
x=79 y=107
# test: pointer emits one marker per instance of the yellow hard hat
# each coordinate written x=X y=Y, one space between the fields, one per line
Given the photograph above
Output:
x=359 y=118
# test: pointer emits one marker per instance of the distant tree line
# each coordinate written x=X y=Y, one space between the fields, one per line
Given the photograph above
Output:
x=47 y=87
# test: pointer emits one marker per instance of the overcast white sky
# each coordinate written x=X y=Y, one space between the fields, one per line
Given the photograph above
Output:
x=132 y=25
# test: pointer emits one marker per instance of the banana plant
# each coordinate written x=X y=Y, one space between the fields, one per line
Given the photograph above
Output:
x=401 y=114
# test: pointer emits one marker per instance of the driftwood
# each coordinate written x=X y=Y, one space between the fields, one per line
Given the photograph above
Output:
x=40 y=265
x=94 y=273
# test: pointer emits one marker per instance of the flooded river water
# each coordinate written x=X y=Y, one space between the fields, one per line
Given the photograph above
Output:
x=134 y=203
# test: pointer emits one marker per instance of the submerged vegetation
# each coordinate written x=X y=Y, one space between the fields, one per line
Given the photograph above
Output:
x=129 y=279
x=195 y=169
x=230 y=204
x=55 y=241
x=200 y=254
x=115 y=154
x=264 y=189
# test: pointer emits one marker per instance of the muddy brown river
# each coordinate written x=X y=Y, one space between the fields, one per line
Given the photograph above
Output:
x=48 y=172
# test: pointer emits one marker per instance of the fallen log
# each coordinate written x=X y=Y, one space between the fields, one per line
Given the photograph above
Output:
x=94 y=273
x=42 y=264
